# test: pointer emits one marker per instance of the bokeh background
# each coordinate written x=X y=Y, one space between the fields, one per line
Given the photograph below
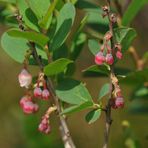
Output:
x=18 y=130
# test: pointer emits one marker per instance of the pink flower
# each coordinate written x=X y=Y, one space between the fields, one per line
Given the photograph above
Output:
x=24 y=99
x=25 y=78
x=109 y=59
x=99 y=58
x=119 y=102
x=28 y=106
x=45 y=94
x=119 y=54
x=37 y=92
x=44 y=126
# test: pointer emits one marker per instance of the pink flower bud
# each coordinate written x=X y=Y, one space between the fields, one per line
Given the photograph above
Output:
x=44 y=126
x=119 y=102
x=109 y=59
x=25 y=78
x=99 y=58
x=24 y=99
x=37 y=92
x=28 y=106
x=45 y=94
x=119 y=54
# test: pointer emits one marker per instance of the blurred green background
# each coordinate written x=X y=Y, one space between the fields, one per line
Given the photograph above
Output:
x=18 y=130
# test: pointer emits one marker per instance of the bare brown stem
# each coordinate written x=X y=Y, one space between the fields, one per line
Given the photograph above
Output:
x=108 y=107
x=66 y=137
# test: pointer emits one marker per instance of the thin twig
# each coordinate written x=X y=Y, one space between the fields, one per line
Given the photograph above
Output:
x=108 y=107
x=67 y=140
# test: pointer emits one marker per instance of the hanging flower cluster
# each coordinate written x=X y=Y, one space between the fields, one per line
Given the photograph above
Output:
x=40 y=91
x=108 y=53
x=105 y=55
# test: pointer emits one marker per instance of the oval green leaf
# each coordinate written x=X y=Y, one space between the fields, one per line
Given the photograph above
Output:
x=65 y=20
x=104 y=91
x=56 y=67
x=93 y=115
x=94 y=46
x=77 y=108
x=125 y=36
x=39 y=39
x=73 y=92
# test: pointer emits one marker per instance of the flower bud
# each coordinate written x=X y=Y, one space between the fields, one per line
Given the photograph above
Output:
x=28 y=106
x=45 y=94
x=99 y=58
x=37 y=92
x=119 y=54
x=109 y=59
x=25 y=78
x=44 y=126
x=119 y=102
x=24 y=99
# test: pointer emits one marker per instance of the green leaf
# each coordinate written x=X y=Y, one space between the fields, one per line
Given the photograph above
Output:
x=45 y=22
x=134 y=7
x=39 y=7
x=65 y=20
x=95 y=20
x=28 y=16
x=136 y=78
x=125 y=36
x=103 y=70
x=140 y=93
x=145 y=56
x=104 y=91
x=40 y=39
x=9 y=1
x=73 y=92
x=61 y=52
x=78 y=41
x=93 y=115
x=96 y=70
x=120 y=71
x=17 y=47
x=77 y=108
x=94 y=12
x=74 y=1
x=94 y=46
x=56 y=67
x=77 y=46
